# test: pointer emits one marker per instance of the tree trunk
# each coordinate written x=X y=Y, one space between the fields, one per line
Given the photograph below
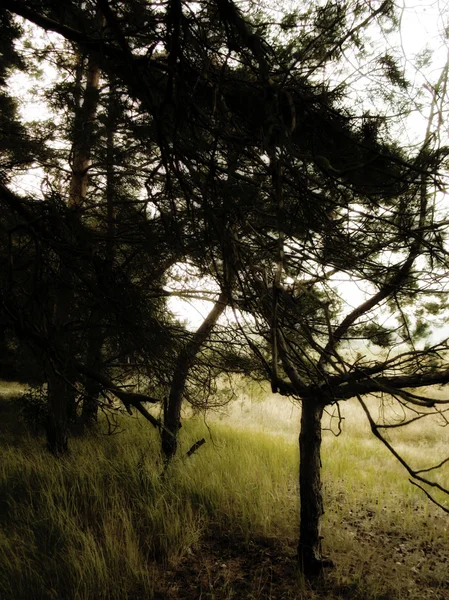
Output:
x=83 y=134
x=92 y=389
x=172 y=409
x=89 y=411
x=58 y=415
x=111 y=125
x=97 y=333
x=310 y=490
x=60 y=394
x=173 y=405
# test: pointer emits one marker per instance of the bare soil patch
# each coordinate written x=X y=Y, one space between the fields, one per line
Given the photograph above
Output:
x=387 y=566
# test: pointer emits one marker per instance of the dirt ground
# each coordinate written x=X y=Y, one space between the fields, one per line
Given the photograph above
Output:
x=387 y=566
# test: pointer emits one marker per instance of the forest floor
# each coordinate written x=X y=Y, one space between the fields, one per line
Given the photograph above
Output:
x=223 y=523
x=225 y=567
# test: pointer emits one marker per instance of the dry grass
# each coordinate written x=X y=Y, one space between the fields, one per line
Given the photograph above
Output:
x=223 y=523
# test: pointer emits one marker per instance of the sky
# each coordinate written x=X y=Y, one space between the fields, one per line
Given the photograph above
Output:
x=423 y=23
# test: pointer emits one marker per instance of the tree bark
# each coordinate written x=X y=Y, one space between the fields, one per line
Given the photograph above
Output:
x=92 y=388
x=58 y=415
x=60 y=394
x=173 y=405
x=89 y=411
x=96 y=338
x=310 y=490
x=111 y=125
x=82 y=137
x=172 y=408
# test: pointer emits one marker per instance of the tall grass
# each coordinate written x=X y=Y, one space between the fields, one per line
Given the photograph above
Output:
x=103 y=523
x=97 y=524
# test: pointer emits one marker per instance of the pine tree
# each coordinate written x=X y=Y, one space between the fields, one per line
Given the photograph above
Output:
x=267 y=182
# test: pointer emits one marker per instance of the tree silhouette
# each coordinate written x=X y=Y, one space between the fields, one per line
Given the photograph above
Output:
x=262 y=178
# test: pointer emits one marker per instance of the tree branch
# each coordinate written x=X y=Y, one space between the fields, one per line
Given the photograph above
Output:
x=415 y=474
x=391 y=385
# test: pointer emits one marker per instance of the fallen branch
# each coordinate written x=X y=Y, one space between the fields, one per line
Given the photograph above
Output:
x=195 y=447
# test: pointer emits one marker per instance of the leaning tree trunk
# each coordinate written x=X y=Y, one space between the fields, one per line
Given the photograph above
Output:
x=173 y=405
x=310 y=489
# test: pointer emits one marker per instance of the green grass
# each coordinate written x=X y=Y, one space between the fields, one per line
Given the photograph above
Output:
x=102 y=523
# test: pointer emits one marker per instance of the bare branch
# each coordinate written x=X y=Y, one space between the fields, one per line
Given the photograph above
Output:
x=430 y=497
x=415 y=474
x=195 y=446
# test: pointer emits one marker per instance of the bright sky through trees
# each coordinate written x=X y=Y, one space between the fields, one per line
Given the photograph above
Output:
x=421 y=40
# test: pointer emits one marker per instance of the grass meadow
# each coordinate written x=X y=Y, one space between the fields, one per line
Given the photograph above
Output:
x=223 y=523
